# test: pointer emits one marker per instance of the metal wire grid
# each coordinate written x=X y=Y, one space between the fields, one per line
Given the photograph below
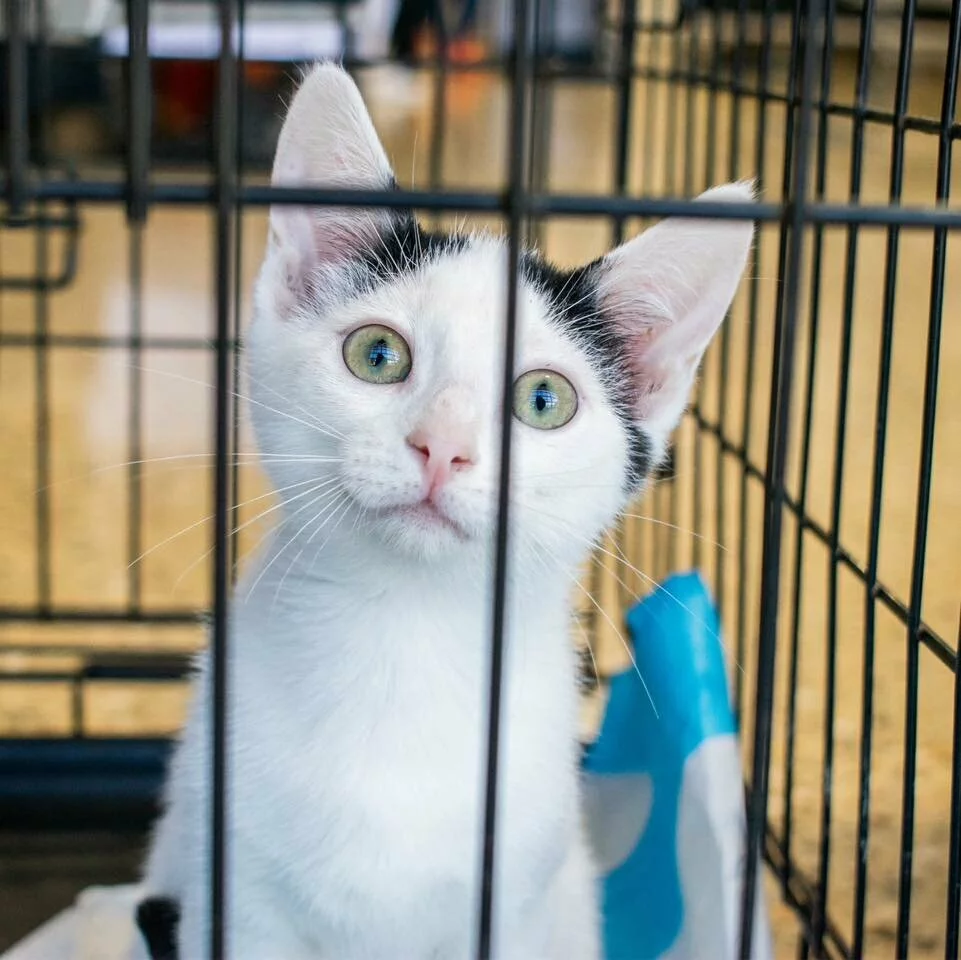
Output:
x=32 y=191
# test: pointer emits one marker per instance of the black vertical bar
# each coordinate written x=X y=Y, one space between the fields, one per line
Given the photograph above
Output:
x=42 y=388
x=711 y=138
x=700 y=435
x=652 y=133
x=819 y=919
x=688 y=140
x=540 y=117
x=877 y=481
x=622 y=148
x=517 y=204
x=667 y=544
x=18 y=137
x=666 y=559
x=764 y=80
x=821 y=163
x=691 y=97
x=439 y=105
x=670 y=132
x=724 y=347
x=737 y=68
x=139 y=110
x=625 y=100
x=42 y=47
x=238 y=281
x=226 y=194
x=778 y=434
x=648 y=533
x=951 y=942
x=135 y=418
x=949 y=99
x=850 y=268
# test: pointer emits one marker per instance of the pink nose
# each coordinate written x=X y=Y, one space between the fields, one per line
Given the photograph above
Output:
x=441 y=457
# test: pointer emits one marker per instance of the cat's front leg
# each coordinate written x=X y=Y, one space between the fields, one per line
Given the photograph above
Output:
x=258 y=928
x=564 y=923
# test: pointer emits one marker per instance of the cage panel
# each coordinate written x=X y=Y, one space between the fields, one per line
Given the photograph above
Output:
x=117 y=365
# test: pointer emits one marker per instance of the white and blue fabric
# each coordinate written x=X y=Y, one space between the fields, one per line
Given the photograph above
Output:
x=664 y=790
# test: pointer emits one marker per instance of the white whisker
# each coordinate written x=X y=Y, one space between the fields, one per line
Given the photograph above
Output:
x=620 y=636
x=242 y=459
x=563 y=529
x=327 y=512
x=211 y=516
x=239 y=396
x=290 y=540
x=674 y=526
x=259 y=516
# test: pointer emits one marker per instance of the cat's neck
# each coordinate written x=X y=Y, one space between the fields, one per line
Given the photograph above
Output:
x=396 y=634
x=353 y=580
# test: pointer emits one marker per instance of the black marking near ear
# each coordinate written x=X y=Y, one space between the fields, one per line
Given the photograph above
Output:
x=402 y=247
x=575 y=307
x=639 y=457
x=158 y=919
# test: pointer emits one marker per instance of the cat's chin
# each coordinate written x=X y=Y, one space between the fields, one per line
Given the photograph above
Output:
x=420 y=529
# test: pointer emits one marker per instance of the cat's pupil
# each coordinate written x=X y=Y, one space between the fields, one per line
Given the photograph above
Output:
x=543 y=398
x=380 y=353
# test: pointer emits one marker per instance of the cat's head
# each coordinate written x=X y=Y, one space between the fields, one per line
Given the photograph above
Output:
x=376 y=357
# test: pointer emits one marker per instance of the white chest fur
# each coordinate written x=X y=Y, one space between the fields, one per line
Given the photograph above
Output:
x=358 y=719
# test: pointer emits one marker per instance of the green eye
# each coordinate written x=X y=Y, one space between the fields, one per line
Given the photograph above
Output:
x=377 y=354
x=544 y=399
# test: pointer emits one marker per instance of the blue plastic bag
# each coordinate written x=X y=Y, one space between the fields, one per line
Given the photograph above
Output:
x=664 y=790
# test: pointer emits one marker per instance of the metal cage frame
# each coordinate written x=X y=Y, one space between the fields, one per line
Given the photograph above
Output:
x=89 y=781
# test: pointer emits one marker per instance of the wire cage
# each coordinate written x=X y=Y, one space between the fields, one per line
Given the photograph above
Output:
x=813 y=481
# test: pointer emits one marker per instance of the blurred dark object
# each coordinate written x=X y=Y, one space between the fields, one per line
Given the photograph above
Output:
x=42 y=873
x=158 y=918
x=184 y=108
x=89 y=783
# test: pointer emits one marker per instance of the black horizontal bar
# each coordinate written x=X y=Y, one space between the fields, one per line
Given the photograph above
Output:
x=88 y=651
x=9 y=614
x=131 y=675
x=99 y=341
x=106 y=191
x=108 y=667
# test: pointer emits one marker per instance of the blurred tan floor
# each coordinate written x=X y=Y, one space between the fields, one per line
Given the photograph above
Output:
x=90 y=393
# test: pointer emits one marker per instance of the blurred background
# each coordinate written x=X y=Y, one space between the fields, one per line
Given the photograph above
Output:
x=106 y=398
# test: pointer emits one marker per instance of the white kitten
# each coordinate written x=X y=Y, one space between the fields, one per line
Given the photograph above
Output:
x=359 y=642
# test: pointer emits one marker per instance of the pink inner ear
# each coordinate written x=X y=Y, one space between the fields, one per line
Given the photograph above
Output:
x=663 y=351
x=313 y=236
x=340 y=233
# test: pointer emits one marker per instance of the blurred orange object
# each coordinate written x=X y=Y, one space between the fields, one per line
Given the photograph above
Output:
x=184 y=91
x=467 y=50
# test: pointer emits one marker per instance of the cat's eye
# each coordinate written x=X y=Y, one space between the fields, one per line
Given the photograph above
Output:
x=544 y=399
x=377 y=354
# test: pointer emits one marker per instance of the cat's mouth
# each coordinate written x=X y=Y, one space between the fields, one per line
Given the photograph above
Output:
x=425 y=514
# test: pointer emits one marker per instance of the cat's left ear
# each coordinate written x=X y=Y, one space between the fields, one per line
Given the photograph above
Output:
x=327 y=141
x=667 y=292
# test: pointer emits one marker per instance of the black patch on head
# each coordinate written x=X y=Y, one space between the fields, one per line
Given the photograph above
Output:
x=575 y=307
x=403 y=247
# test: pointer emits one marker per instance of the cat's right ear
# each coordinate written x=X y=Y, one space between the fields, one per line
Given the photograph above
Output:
x=327 y=141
